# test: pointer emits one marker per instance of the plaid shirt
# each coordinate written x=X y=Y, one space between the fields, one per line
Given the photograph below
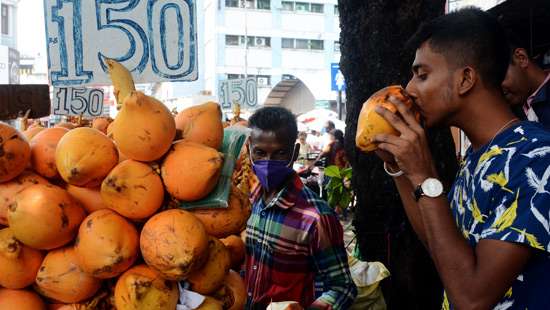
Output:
x=291 y=243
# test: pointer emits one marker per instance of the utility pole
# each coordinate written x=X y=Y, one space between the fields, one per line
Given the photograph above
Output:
x=243 y=5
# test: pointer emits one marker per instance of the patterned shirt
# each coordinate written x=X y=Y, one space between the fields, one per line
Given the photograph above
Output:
x=502 y=193
x=537 y=107
x=292 y=242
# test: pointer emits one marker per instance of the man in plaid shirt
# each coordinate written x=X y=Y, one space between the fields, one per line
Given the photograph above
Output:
x=293 y=238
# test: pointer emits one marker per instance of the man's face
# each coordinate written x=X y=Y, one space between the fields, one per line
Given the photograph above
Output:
x=515 y=86
x=270 y=145
x=431 y=86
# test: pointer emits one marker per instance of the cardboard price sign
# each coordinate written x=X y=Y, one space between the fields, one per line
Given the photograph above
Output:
x=243 y=91
x=17 y=99
x=154 y=39
x=76 y=101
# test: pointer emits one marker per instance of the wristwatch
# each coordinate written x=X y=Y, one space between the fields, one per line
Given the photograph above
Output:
x=431 y=187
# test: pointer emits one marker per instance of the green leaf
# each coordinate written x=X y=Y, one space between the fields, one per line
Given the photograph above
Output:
x=346 y=173
x=333 y=172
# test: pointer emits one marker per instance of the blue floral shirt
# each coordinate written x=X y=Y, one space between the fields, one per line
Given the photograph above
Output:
x=502 y=192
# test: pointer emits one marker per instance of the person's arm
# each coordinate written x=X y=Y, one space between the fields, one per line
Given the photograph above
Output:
x=474 y=278
x=331 y=261
x=406 y=190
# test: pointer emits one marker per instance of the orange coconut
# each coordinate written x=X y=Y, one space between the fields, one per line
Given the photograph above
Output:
x=43 y=147
x=371 y=123
x=142 y=288
x=32 y=131
x=236 y=248
x=45 y=216
x=202 y=124
x=175 y=243
x=66 y=125
x=191 y=170
x=133 y=189
x=210 y=277
x=9 y=189
x=144 y=128
x=15 y=152
x=107 y=244
x=89 y=198
x=61 y=278
x=221 y=223
x=233 y=292
x=84 y=156
x=20 y=300
x=18 y=262
x=101 y=124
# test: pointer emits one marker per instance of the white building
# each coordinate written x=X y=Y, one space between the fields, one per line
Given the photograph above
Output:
x=454 y=5
x=9 y=55
x=291 y=45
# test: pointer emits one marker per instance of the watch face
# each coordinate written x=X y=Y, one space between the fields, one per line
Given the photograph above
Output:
x=432 y=187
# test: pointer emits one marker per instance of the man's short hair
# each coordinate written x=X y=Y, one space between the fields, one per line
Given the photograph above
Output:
x=276 y=119
x=468 y=37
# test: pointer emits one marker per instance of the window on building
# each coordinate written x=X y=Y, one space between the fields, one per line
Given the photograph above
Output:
x=336 y=11
x=317 y=8
x=235 y=76
x=287 y=43
x=232 y=3
x=337 y=46
x=262 y=42
x=301 y=7
x=288 y=77
x=287 y=5
x=5 y=20
x=302 y=44
x=231 y=40
x=263 y=4
x=263 y=80
x=316 y=44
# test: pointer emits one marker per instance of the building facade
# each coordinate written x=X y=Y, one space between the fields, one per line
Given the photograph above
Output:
x=273 y=41
x=9 y=55
x=453 y=5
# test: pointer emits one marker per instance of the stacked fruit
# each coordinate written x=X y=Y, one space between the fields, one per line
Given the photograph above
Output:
x=87 y=223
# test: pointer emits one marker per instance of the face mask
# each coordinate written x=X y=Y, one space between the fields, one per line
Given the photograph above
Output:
x=272 y=173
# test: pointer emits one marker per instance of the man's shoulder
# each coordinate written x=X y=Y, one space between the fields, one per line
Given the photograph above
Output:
x=313 y=203
x=528 y=136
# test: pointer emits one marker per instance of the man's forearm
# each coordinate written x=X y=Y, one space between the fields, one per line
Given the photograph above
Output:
x=406 y=191
x=454 y=259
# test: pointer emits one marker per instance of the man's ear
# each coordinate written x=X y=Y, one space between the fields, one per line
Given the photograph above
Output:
x=467 y=78
x=520 y=57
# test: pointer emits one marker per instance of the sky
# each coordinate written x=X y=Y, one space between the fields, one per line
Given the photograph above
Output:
x=30 y=25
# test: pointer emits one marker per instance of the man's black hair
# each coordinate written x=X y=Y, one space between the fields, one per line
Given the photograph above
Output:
x=277 y=119
x=338 y=135
x=468 y=37
x=331 y=125
x=516 y=41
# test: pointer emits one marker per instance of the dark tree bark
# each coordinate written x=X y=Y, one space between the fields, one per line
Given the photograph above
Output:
x=373 y=36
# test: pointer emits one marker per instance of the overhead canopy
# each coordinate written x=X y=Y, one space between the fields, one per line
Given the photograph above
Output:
x=529 y=19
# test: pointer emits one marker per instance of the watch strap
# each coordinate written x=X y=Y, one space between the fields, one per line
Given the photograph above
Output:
x=418 y=192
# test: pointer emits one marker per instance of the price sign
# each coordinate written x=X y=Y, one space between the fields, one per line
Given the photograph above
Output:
x=77 y=101
x=244 y=91
x=154 y=39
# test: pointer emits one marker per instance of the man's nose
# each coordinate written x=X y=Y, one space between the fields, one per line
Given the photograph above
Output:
x=411 y=90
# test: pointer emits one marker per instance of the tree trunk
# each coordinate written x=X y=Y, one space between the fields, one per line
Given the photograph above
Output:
x=373 y=36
